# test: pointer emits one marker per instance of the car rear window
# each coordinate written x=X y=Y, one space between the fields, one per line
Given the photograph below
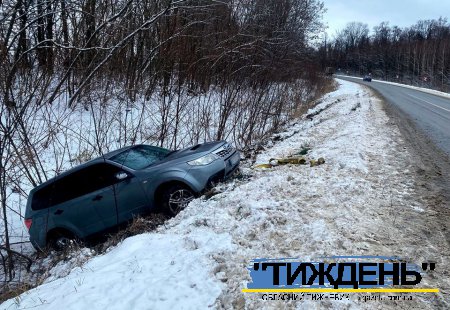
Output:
x=140 y=156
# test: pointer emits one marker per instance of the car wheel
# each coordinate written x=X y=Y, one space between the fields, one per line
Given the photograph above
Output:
x=176 y=198
x=61 y=241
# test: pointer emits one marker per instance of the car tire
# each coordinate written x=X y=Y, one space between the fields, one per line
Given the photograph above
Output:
x=61 y=241
x=175 y=198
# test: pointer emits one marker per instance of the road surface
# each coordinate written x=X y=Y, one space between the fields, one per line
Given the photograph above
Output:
x=430 y=113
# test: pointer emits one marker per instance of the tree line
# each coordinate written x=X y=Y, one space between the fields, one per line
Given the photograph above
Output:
x=417 y=55
x=147 y=43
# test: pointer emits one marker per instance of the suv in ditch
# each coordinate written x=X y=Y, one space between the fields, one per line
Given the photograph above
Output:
x=112 y=189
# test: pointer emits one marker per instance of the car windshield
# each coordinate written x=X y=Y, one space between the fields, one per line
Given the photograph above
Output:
x=140 y=156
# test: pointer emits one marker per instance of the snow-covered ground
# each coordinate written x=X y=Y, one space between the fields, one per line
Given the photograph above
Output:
x=362 y=201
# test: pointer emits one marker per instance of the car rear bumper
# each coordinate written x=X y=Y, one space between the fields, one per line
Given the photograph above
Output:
x=38 y=243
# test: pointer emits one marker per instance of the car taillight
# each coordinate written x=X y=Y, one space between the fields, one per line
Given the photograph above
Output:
x=28 y=223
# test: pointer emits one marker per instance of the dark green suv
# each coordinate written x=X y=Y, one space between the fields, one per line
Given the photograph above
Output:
x=112 y=189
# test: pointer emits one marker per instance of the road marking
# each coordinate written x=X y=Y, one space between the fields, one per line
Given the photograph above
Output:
x=448 y=110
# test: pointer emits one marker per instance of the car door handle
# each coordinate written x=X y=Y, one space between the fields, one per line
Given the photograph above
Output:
x=97 y=198
x=58 y=212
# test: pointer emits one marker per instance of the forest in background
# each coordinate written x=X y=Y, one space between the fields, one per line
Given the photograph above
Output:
x=418 y=55
x=145 y=44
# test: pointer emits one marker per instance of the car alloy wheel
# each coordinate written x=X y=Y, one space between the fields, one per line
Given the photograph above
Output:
x=179 y=199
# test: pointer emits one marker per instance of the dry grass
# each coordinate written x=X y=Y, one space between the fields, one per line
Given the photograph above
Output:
x=139 y=225
x=328 y=86
x=12 y=290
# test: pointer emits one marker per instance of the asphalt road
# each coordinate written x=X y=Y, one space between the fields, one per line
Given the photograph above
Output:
x=429 y=113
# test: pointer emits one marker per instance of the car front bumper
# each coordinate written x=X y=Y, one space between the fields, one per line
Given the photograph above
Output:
x=203 y=177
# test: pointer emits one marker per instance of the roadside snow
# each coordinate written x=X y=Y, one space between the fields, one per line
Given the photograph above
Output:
x=148 y=271
x=362 y=201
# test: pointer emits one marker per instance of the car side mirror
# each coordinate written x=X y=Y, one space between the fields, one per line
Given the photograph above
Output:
x=121 y=175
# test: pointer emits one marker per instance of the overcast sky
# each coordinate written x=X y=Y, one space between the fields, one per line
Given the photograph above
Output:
x=400 y=13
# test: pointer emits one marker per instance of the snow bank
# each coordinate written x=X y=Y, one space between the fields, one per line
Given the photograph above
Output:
x=148 y=271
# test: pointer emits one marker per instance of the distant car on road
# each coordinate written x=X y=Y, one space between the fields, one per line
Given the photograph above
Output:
x=112 y=189
x=367 y=78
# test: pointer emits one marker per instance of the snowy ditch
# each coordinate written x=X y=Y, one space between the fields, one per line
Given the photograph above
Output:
x=362 y=201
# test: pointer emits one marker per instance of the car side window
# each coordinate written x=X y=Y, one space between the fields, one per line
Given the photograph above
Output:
x=68 y=188
x=100 y=176
x=87 y=180
x=41 y=198
x=79 y=183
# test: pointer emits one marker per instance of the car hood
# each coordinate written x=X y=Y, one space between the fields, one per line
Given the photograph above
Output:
x=196 y=149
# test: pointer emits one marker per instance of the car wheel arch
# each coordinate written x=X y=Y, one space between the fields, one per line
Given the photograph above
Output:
x=165 y=185
x=57 y=231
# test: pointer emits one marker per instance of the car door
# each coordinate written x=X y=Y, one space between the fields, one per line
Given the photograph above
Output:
x=84 y=201
x=131 y=199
